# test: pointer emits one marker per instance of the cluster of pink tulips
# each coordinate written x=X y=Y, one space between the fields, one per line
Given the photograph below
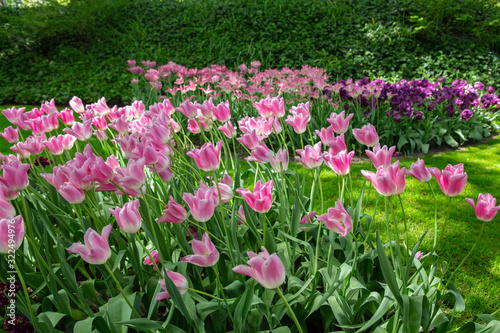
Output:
x=188 y=209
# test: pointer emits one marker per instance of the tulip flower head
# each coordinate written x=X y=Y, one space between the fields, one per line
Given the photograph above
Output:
x=201 y=204
x=390 y=181
x=452 y=180
x=207 y=158
x=337 y=219
x=261 y=199
x=266 y=269
x=269 y=107
x=128 y=217
x=11 y=233
x=381 y=156
x=339 y=163
x=156 y=257
x=485 y=207
x=419 y=171
x=178 y=279
x=310 y=157
x=205 y=253
x=96 y=249
x=339 y=122
x=173 y=212
x=366 y=135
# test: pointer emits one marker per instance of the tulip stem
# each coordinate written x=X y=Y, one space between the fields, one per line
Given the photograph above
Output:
x=389 y=231
x=25 y=291
x=435 y=216
x=404 y=222
x=292 y=314
x=221 y=290
x=207 y=294
x=121 y=290
x=445 y=222
x=398 y=251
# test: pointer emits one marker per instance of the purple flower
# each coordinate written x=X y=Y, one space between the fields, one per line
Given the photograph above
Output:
x=466 y=114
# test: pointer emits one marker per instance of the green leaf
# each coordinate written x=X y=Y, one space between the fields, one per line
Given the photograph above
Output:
x=474 y=134
x=402 y=141
x=87 y=325
x=388 y=271
x=142 y=324
x=177 y=299
x=51 y=318
x=450 y=141
x=243 y=306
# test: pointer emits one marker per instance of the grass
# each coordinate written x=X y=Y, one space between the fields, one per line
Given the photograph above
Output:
x=478 y=280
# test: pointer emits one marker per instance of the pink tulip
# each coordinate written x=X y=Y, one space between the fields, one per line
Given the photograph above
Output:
x=367 y=135
x=81 y=131
x=268 y=270
x=485 y=208
x=311 y=157
x=11 y=234
x=241 y=215
x=207 y=158
x=100 y=172
x=101 y=123
x=6 y=209
x=307 y=219
x=76 y=104
x=71 y=193
x=16 y=117
x=222 y=112
x=132 y=178
x=95 y=249
x=38 y=125
x=34 y=144
x=55 y=145
x=339 y=123
x=226 y=192
x=337 y=219
x=128 y=217
x=339 y=163
x=173 y=212
x=453 y=179
x=67 y=117
x=228 y=130
x=269 y=107
x=178 y=279
x=11 y=135
x=201 y=204
x=260 y=154
x=205 y=253
x=188 y=109
x=279 y=163
x=68 y=141
x=15 y=175
x=20 y=151
x=390 y=181
x=49 y=107
x=419 y=171
x=326 y=135
x=419 y=255
x=156 y=257
x=381 y=156
x=121 y=125
x=299 y=117
x=250 y=140
x=261 y=199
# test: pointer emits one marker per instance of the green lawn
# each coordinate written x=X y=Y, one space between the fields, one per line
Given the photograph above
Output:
x=479 y=278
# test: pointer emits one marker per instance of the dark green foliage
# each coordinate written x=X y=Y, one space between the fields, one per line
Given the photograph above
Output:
x=81 y=49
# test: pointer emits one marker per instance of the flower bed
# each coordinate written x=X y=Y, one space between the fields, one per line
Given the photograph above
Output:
x=204 y=240
x=412 y=115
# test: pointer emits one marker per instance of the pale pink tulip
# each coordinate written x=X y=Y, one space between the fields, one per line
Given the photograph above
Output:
x=11 y=135
x=207 y=157
x=339 y=122
x=179 y=281
x=452 y=180
x=270 y=106
x=205 y=253
x=156 y=257
x=419 y=171
x=15 y=175
x=173 y=212
x=11 y=234
x=228 y=130
x=95 y=249
x=390 y=181
x=81 y=131
x=188 y=109
x=76 y=104
x=279 y=163
x=67 y=116
x=299 y=117
x=339 y=163
x=311 y=157
x=337 y=219
x=250 y=140
x=6 y=209
x=381 y=156
x=261 y=199
x=268 y=270
x=201 y=204
x=485 y=208
x=34 y=144
x=366 y=135
x=128 y=217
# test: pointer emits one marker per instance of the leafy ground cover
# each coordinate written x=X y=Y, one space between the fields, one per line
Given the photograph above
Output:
x=67 y=52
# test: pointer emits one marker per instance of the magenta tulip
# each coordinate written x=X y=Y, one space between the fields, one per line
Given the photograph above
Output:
x=96 y=248
x=11 y=234
x=205 y=253
x=222 y=112
x=178 y=279
x=311 y=157
x=128 y=217
x=337 y=219
x=268 y=270
x=207 y=158
x=228 y=130
x=367 y=135
x=419 y=171
x=485 y=208
x=250 y=140
x=452 y=180
x=71 y=193
x=156 y=257
x=173 y=212
x=390 y=181
x=381 y=156
x=261 y=199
